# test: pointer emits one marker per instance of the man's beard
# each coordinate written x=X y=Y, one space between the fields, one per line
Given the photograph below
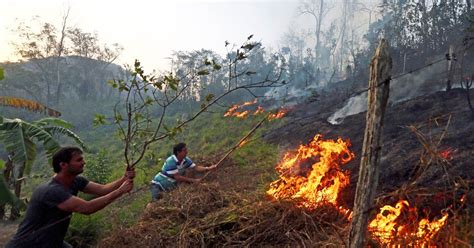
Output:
x=75 y=172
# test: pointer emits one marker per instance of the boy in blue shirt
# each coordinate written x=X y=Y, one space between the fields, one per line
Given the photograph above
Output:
x=173 y=172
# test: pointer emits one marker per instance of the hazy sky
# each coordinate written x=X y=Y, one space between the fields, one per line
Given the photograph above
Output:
x=151 y=30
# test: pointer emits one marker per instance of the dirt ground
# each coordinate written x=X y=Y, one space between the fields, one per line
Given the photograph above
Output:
x=7 y=230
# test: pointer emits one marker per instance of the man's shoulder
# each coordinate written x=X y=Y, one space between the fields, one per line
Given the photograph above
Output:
x=79 y=184
x=188 y=160
x=80 y=179
x=171 y=159
x=47 y=188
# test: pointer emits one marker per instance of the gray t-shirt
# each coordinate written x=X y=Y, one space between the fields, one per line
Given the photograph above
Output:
x=45 y=225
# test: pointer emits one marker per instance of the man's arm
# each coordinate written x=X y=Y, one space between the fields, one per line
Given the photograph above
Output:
x=78 y=205
x=101 y=189
x=199 y=168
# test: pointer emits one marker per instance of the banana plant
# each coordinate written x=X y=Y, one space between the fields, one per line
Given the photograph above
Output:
x=20 y=138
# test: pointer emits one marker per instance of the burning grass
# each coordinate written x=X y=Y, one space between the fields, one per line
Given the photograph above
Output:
x=239 y=112
x=206 y=216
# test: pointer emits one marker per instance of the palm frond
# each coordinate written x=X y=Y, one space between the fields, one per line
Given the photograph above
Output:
x=13 y=137
x=6 y=196
x=53 y=122
x=66 y=132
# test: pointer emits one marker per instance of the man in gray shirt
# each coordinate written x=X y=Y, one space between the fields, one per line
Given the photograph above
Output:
x=52 y=204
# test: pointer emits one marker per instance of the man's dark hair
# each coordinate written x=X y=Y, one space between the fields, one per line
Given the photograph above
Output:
x=64 y=155
x=178 y=147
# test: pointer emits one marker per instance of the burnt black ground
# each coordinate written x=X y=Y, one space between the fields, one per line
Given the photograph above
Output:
x=401 y=148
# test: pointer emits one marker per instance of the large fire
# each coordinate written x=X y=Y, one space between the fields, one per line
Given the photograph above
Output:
x=312 y=174
x=390 y=226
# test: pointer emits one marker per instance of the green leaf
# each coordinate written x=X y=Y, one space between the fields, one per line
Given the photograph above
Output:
x=209 y=97
x=158 y=85
x=53 y=122
x=65 y=132
x=6 y=196
x=148 y=100
x=203 y=72
x=99 y=120
x=2 y=76
x=173 y=86
x=16 y=135
x=138 y=117
x=118 y=118
x=248 y=46
x=2 y=164
x=123 y=87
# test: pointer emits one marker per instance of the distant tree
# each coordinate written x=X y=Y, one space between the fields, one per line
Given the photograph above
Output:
x=318 y=10
x=46 y=49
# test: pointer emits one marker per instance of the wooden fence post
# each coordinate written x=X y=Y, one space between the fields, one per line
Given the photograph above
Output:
x=379 y=84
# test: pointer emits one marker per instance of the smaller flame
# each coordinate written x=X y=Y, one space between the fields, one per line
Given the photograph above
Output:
x=249 y=103
x=259 y=110
x=389 y=225
x=231 y=110
x=385 y=223
x=242 y=115
x=427 y=230
x=280 y=114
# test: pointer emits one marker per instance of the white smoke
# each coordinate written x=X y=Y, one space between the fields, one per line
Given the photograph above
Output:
x=354 y=105
x=429 y=80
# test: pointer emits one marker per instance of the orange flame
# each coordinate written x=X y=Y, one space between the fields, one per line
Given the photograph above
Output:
x=259 y=110
x=311 y=176
x=242 y=114
x=280 y=114
x=388 y=226
x=249 y=103
x=319 y=183
x=232 y=110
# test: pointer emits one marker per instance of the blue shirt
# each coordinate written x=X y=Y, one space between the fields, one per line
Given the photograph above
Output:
x=172 y=166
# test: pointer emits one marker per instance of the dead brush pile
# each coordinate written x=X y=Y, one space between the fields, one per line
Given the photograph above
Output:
x=206 y=216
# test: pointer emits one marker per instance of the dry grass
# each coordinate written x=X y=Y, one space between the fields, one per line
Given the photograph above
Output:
x=205 y=216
